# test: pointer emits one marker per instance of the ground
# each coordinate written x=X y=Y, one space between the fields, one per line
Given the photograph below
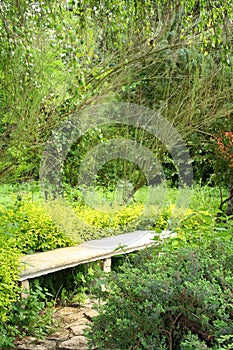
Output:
x=71 y=320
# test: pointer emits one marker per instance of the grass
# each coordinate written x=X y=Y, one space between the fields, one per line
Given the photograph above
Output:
x=201 y=197
x=10 y=193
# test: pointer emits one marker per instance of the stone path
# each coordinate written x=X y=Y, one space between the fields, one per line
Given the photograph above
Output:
x=72 y=320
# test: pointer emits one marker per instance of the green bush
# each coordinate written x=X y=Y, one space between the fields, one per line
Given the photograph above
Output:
x=24 y=228
x=172 y=300
x=29 y=316
x=33 y=229
x=110 y=219
x=9 y=275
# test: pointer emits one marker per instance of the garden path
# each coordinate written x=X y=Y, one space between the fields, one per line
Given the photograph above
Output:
x=71 y=321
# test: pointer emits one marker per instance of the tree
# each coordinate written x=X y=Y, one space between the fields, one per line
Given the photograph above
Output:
x=225 y=164
x=57 y=57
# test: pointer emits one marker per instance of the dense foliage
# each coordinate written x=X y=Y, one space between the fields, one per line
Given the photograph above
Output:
x=26 y=227
x=33 y=228
x=28 y=316
x=57 y=58
x=178 y=299
x=9 y=274
x=60 y=56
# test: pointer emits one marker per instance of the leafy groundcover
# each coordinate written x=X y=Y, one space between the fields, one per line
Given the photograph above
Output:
x=181 y=299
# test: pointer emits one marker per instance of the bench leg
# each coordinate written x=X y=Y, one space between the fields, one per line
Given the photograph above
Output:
x=107 y=265
x=25 y=289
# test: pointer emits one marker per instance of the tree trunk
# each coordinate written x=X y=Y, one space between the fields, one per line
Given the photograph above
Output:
x=229 y=210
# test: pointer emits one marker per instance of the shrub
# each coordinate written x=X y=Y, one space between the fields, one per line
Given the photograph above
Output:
x=180 y=220
x=9 y=275
x=169 y=300
x=124 y=217
x=24 y=228
x=31 y=228
x=134 y=216
x=29 y=316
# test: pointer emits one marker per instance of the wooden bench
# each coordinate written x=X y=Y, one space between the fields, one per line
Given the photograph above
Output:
x=39 y=264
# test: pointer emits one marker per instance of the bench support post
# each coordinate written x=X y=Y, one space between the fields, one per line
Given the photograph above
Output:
x=25 y=289
x=107 y=265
